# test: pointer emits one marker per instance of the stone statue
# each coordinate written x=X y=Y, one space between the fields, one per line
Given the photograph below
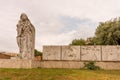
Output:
x=25 y=37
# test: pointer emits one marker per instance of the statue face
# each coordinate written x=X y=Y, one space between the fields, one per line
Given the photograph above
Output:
x=23 y=17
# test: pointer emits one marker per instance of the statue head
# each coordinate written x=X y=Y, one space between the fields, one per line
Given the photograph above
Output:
x=23 y=17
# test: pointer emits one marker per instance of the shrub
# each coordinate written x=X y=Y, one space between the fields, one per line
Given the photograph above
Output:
x=37 y=53
x=91 y=66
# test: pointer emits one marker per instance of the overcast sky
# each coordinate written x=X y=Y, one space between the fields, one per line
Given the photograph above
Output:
x=57 y=22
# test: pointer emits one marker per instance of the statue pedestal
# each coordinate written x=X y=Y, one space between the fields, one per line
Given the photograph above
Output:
x=19 y=63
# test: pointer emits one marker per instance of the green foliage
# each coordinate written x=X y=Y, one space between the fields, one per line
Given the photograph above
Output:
x=91 y=66
x=91 y=41
x=37 y=53
x=108 y=33
x=78 y=42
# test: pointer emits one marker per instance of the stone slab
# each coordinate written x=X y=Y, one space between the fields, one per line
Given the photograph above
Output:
x=19 y=63
x=9 y=63
x=91 y=53
x=70 y=52
x=79 y=64
x=62 y=64
x=111 y=53
x=52 y=53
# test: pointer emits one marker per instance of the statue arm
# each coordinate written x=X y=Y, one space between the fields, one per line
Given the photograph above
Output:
x=19 y=29
x=32 y=29
x=18 y=34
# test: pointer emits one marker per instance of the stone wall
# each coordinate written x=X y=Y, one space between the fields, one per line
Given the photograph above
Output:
x=52 y=52
x=106 y=57
x=9 y=63
x=110 y=53
x=70 y=53
x=91 y=53
x=79 y=64
x=82 y=53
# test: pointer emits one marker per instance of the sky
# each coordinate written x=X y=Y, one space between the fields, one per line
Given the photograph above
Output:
x=57 y=22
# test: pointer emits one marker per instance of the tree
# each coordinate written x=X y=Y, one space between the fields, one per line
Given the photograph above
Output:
x=91 y=41
x=108 y=33
x=78 y=42
x=37 y=53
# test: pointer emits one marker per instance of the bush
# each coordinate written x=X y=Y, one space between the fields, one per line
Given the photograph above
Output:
x=78 y=42
x=37 y=53
x=91 y=66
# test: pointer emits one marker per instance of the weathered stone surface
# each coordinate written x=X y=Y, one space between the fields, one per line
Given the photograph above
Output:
x=62 y=64
x=70 y=52
x=109 y=65
x=19 y=63
x=52 y=53
x=111 y=53
x=72 y=64
x=91 y=53
x=79 y=64
x=25 y=37
x=51 y=64
x=35 y=64
x=7 y=63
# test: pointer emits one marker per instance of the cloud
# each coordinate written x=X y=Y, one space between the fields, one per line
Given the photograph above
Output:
x=57 y=22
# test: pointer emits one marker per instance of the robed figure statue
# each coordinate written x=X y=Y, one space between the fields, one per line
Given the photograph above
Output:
x=25 y=37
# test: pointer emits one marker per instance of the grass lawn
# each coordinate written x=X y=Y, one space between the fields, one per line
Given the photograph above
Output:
x=58 y=74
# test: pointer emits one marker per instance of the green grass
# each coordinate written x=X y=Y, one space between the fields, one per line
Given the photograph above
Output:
x=58 y=74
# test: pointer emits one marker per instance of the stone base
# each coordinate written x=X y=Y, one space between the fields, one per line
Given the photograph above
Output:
x=79 y=64
x=18 y=63
x=9 y=63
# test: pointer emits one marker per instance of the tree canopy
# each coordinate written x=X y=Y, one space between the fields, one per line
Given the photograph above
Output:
x=107 y=33
x=78 y=42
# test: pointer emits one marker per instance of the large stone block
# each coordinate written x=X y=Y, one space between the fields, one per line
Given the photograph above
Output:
x=8 y=63
x=111 y=53
x=70 y=52
x=109 y=65
x=72 y=64
x=91 y=53
x=79 y=64
x=52 y=53
x=51 y=64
